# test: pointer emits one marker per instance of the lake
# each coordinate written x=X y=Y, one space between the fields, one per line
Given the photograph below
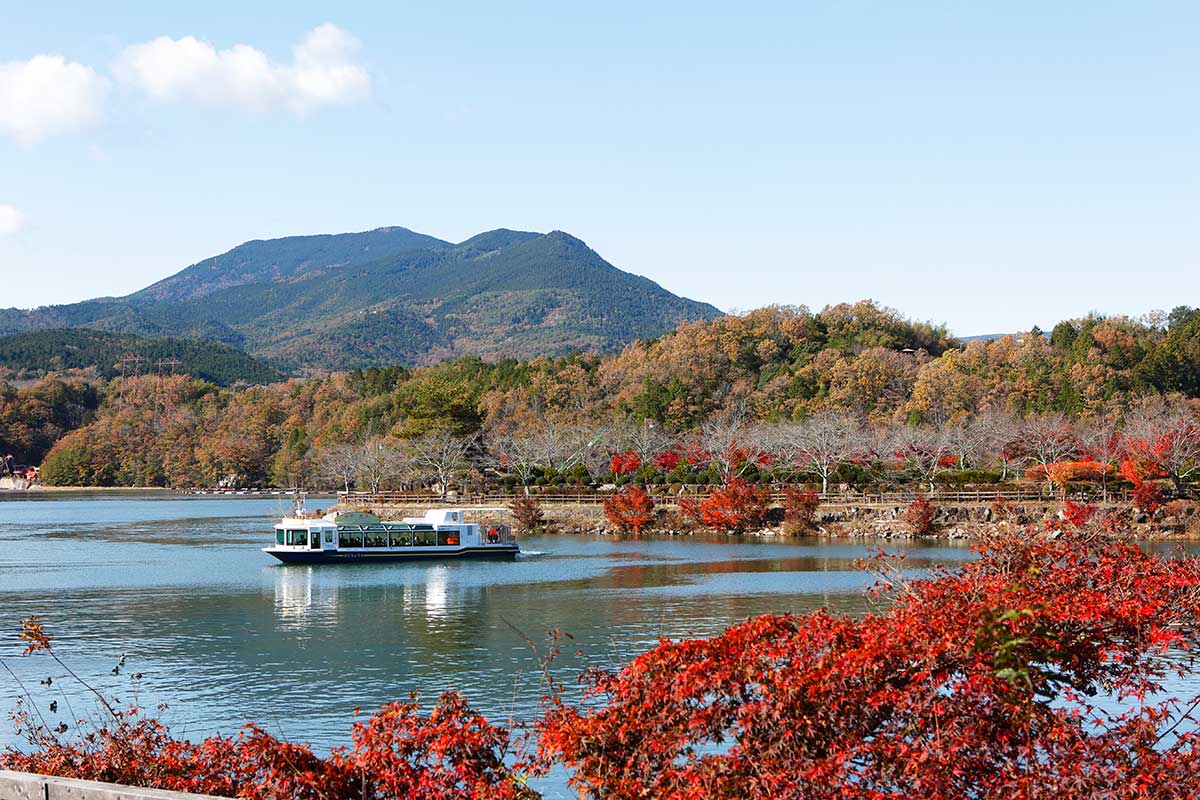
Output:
x=225 y=635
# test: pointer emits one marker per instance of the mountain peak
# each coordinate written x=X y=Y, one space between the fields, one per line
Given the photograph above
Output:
x=393 y=296
x=497 y=239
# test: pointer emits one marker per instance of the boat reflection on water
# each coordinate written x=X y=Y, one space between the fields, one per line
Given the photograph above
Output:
x=424 y=598
x=437 y=604
x=294 y=604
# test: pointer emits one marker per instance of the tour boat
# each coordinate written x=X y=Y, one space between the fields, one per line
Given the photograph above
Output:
x=356 y=537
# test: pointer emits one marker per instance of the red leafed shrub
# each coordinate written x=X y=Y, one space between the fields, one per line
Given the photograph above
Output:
x=453 y=752
x=1139 y=469
x=1147 y=497
x=527 y=511
x=689 y=508
x=624 y=463
x=799 y=510
x=667 y=460
x=1001 y=508
x=1078 y=514
x=920 y=515
x=630 y=509
x=977 y=683
x=736 y=506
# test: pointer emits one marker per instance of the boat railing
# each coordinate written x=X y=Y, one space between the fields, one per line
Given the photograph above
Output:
x=497 y=534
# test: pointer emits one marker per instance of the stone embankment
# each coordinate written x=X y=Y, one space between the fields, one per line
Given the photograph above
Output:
x=953 y=520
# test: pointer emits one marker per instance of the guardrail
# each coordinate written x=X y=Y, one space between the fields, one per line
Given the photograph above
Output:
x=775 y=494
x=28 y=786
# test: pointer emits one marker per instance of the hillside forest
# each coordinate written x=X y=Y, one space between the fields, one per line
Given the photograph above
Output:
x=855 y=393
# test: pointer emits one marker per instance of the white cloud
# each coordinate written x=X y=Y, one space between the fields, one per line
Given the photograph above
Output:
x=47 y=95
x=12 y=219
x=325 y=69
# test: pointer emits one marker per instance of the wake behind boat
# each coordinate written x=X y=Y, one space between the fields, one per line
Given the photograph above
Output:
x=358 y=537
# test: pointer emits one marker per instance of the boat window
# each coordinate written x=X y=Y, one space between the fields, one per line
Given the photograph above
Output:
x=399 y=536
x=348 y=537
x=424 y=536
x=299 y=537
x=447 y=537
x=279 y=537
x=376 y=537
x=328 y=536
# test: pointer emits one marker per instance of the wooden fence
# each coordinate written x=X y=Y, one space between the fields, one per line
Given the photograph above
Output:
x=27 y=786
x=775 y=493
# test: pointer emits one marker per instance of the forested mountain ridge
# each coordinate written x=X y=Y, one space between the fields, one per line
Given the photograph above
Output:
x=98 y=354
x=282 y=259
x=391 y=296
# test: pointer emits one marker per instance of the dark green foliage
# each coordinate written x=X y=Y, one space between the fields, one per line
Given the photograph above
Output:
x=392 y=297
x=1174 y=366
x=40 y=352
x=282 y=259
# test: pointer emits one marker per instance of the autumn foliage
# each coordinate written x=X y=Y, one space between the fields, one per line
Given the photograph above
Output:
x=1065 y=472
x=452 y=752
x=1078 y=514
x=630 y=509
x=1140 y=470
x=799 y=510
x=736 y=506
x=624 y=463
x=527 y=511
x=987 y=682
x=920 y=515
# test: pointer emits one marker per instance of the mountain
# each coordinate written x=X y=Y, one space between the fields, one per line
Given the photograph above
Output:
x=283 y=260
x=391 y=296
x=36 y=353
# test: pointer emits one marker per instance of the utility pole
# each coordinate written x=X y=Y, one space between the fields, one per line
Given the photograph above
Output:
x=125 y=361
x=167 y=363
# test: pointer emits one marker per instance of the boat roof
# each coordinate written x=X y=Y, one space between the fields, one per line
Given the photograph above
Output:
x=439 y=516
x=433 y=516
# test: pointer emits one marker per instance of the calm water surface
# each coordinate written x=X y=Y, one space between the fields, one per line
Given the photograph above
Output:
x=224 y=634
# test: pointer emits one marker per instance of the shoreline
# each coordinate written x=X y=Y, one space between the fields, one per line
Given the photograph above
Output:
x=966 y=521
x=42 y=489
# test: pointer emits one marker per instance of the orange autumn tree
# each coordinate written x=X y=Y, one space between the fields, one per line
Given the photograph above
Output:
x=736 y=506
x=1139 y=470
x=630 y=509
x=1062 y=473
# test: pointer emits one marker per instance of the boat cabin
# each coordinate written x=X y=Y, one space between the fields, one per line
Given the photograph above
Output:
x=360 y=533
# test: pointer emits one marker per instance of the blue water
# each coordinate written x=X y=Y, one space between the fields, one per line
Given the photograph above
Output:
x=225 y=635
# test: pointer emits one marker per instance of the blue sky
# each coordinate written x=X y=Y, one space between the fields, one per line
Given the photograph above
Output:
x=990 y=165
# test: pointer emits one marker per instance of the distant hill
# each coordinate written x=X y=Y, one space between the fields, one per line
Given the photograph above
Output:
x=391 y=296
x=37 y=353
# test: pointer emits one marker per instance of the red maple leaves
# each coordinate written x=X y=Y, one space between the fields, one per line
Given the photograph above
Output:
x=977 y=683
x=630 y=509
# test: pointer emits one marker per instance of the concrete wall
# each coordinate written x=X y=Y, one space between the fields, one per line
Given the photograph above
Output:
x=25 y=786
